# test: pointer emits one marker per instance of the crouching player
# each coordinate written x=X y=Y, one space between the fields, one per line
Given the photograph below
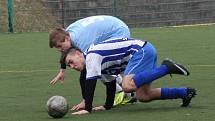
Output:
x=137 y=61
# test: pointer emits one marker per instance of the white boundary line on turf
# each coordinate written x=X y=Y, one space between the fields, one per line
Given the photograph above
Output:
x=191 y=25
x=201 y=66
x=24 y=71
x=32 y=71
x=206 y=24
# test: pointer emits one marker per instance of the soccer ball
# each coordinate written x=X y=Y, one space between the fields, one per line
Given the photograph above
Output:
x=57 y=106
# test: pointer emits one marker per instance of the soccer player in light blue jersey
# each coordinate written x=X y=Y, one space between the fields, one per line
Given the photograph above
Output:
x=137 y=61
x=87 y=31
x=82 y=34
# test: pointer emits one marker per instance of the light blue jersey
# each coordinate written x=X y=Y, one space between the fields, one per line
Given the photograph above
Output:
x=94 y=29
x=119 y=56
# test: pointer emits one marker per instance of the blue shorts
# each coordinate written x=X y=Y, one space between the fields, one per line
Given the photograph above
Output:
x=144 y=59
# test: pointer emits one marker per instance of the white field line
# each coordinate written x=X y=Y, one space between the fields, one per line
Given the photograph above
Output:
x=206 y=66
x=206 y=24
x=25 y=71
x=33 y=71
x=191 y=25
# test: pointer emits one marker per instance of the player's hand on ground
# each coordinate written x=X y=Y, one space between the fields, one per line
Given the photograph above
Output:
x=60 y=76
x=99 y=108
x=79 y=106
x=81 y=112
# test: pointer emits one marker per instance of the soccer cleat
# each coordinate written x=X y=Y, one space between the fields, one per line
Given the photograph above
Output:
x=175 y=68
x=122 y=99
x=191 y=92
x=129 y=99
x=119 y=96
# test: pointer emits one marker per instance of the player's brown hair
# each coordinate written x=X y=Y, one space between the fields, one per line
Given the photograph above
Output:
x=57 y=35
x=69 y=51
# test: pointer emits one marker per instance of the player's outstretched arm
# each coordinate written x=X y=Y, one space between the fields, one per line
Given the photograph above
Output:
x=110 y=95
x=58 y=77
x=83 y=85
x=90 y=89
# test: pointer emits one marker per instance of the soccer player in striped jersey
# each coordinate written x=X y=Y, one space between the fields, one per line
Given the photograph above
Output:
x=82 y=34
x=137 y=61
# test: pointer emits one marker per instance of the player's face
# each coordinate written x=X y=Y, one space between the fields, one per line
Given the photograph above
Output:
x=63 y=46
x=76 y=61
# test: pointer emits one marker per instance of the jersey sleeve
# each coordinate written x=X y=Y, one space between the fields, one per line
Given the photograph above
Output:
x=93 y=66
x=90 y=86
x=110 y=94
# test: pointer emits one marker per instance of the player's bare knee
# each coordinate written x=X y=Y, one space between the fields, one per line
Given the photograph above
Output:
x=128 y=84
x=126 y=87
x=143 y=97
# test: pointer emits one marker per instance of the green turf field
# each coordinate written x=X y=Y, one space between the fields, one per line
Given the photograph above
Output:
x=27 y=64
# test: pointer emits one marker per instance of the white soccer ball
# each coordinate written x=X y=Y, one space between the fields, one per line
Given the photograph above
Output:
x=57 y=106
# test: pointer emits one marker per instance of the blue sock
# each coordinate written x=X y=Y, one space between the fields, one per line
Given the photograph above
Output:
x=146 y=77
x=173 y=93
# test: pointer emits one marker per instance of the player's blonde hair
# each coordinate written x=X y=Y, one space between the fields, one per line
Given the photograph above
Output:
x=57 y=35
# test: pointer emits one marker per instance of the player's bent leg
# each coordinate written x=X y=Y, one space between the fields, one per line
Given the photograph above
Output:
x=122 y=98
x=142 y=93
x=128 y=84
x=147 y=94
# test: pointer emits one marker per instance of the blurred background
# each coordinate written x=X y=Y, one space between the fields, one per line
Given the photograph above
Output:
x=43 y=15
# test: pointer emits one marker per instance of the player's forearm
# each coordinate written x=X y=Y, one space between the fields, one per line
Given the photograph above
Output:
x=110 y=94
x=82 y=80
x=89 y=94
